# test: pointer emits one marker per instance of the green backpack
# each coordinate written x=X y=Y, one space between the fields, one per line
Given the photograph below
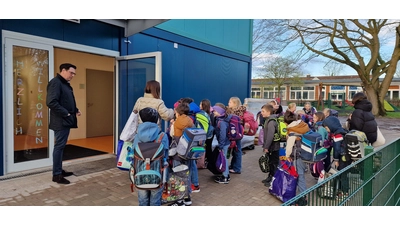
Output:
x=280 y=134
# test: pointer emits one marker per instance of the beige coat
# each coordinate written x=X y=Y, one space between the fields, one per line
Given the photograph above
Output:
x=149 y=101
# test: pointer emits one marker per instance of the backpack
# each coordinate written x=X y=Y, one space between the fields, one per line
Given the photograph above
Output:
x=316 y=168
x=235 y=128
x=355 y=143
x=281 y=133
x=203 y=121
x=312 y=149
x=147 y=168
x=250 y=123
x=191 y=143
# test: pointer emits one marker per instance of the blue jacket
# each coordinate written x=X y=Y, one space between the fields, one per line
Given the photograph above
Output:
x=221 y=131
x=148 y=132
x=337 y=133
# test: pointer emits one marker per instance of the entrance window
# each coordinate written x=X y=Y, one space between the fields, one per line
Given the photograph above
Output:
x=30 y=78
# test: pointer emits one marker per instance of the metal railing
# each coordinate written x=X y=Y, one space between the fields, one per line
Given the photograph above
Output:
x=373 y=180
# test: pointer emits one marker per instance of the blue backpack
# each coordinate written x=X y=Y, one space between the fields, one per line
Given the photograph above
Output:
x=312 y=149
x=147 y=168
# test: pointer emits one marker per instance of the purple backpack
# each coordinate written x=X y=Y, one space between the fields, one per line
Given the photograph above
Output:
x=316 y=168
x=220 y=164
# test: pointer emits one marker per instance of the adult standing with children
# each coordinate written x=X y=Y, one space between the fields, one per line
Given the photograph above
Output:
x=63 y=111
x=362 y=118
x=152 y=99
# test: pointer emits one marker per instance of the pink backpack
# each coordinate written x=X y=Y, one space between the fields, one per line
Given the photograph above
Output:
x=250 y=124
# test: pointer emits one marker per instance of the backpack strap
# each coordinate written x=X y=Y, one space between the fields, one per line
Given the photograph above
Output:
x=159 y=137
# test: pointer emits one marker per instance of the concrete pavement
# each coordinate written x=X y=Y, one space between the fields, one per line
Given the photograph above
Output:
x=111 y=187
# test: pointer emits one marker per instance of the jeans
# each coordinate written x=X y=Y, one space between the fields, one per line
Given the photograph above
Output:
x=61 y=138
x=194 y=175
x=226 y=172
x=150 y=197
x=236 y=163
x=301 y=169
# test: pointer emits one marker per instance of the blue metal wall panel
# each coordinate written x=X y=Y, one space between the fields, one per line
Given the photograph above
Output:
x=231 y=34
x=189 y=71
x=87 y=32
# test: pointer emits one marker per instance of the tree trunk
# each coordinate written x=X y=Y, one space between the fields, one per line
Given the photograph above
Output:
x=378 y=107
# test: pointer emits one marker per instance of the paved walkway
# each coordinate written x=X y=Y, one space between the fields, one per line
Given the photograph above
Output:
x=111 y=187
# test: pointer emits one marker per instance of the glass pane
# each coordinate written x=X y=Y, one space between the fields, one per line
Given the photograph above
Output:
x=305 y=95
x=311 y=93
x=30 y=75
x=395 y=94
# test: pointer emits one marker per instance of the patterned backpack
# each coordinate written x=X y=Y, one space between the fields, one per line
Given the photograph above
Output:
x=147 y=168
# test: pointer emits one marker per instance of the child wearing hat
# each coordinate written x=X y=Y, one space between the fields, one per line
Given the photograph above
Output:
x=219 y=111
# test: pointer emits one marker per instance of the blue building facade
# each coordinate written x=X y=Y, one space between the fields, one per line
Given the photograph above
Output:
x=197 y=58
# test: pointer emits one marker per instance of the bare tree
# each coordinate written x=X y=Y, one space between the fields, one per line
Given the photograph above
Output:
x=333 y=68
x=371 y=47
x=279 y=71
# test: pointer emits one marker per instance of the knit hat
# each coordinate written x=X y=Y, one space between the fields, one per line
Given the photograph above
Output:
x=219 y=109
x=148 y=115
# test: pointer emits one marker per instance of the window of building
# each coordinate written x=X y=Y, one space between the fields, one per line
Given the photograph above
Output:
x=256 y=92
x=337 y=93
x=352 y=91
x=272 y=92
x=304 y=93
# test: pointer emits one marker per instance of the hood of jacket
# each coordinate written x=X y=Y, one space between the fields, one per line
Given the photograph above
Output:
x=333 y=123
x=297 y=126
x=364 y=105
x=147 y=132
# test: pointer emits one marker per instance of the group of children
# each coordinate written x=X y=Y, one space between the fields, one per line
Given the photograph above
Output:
x=185 y=110
x=298 y=123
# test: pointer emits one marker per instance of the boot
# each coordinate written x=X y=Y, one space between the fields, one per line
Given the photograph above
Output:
x=66 y=174
x=60 y=179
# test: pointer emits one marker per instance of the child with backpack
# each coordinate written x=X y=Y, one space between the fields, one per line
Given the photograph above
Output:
x=205 y=105
x=340 y=158
x=236 y=108
x=271 y=142
x=295 y=128
x=221 y=132
x=184 y=121
x=149 y=131
x=318 y=119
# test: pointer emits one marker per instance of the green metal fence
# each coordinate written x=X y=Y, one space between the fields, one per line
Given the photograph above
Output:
x=372 y=181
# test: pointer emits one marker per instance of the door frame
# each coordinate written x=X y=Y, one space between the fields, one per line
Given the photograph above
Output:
x=158 y=77
x=34 y=41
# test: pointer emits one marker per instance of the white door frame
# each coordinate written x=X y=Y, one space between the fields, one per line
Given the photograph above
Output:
x=34 y=42
x=158 y=75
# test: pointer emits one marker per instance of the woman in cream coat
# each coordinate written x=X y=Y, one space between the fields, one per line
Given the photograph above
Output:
x=152 y=99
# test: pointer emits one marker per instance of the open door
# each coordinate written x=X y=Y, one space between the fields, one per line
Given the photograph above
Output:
x=29 y=142
x=133 y=71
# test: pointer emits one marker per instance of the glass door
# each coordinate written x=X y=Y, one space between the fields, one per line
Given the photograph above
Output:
x=28 y=140
x=133 y=71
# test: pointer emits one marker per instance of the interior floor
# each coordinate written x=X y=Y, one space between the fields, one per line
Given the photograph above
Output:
x=103 y=143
